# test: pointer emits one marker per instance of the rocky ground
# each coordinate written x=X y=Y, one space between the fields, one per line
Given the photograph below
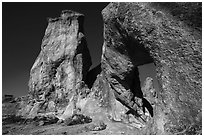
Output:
x=60 y=129
x=78 y=125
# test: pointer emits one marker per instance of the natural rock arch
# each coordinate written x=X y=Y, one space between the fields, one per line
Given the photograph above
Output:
x=175 y=47
x=134 y=34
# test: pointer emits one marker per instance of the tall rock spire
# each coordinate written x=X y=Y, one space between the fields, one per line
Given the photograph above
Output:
x=61 y=65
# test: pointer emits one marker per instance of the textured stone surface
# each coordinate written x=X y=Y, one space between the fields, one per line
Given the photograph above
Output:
x=168 y=34
x=61 y=66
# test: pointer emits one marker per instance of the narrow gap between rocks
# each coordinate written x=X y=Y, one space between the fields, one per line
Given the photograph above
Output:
x=148 y=71
x=92 y=75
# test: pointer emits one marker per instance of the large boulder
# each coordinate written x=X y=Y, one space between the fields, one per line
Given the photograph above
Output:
x=169 y=35
x=61 y=67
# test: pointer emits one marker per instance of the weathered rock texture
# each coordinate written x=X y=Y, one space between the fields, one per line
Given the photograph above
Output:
x=62 y=65
x=168 y=34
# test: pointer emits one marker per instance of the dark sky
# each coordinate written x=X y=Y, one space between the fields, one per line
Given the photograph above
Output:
x=23 y=27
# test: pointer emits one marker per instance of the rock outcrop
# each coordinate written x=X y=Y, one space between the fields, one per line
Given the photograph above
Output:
x=61 y=67
x=168 y=34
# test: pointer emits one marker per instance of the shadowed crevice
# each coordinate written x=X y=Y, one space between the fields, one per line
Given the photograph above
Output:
x=92 y=75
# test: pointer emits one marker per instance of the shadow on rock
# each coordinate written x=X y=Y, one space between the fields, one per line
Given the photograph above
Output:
x=77 y=119
x=11 y=119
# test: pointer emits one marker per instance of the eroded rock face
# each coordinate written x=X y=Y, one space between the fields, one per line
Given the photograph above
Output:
x=134 y=34
x=168 y=34
x=61 y=66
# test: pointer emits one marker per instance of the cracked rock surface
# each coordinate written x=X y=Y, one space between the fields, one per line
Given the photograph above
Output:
x=168 y=34
x=61 y=66
x=66 y=98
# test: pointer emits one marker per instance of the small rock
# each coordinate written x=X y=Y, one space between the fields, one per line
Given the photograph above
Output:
x=64 y=133
x=5 y=132
x=77 y=119
x=51 y=106
x=41 y=123
x=60 y=121
x=98 y=126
